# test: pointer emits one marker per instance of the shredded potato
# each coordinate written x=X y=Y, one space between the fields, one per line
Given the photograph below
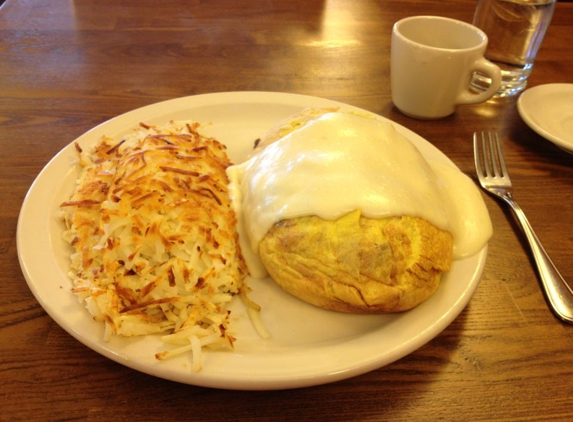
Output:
x=153 y=233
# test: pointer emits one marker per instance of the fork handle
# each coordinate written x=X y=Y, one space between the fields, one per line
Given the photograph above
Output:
x=558 y=292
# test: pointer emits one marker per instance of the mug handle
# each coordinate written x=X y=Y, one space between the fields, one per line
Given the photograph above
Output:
x=491 y=71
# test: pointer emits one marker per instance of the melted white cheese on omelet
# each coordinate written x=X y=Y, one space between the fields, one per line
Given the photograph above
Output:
x=342 y=162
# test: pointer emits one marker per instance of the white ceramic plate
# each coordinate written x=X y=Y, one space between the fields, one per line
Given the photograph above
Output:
x=309 y=346
x=548 y=110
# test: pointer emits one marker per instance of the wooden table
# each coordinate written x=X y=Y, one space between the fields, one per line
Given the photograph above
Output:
x=67 y=66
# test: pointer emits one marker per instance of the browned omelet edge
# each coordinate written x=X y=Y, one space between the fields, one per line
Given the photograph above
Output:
x=356 y=264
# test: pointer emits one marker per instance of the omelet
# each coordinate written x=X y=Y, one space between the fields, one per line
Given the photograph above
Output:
x=357 y=264
x=344 y=211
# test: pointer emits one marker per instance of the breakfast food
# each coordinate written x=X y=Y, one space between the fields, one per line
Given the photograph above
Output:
x=357 y=264
x=153 y=233
x=344 y=212
x=290 y=124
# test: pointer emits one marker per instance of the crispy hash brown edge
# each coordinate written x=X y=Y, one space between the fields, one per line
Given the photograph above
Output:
x=155 y=248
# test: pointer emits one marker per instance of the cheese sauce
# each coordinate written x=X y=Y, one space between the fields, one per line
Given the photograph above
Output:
x=342 y=162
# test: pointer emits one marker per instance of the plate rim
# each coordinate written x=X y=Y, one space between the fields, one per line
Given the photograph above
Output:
x=271 y=381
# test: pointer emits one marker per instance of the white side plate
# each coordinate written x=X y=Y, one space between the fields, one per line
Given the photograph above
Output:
x=548 y=110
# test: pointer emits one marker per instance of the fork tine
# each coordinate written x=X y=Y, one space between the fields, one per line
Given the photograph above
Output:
x=478 y=154
x=500 y=158
x=482 y=153
x=497 y=166
x=490 y=154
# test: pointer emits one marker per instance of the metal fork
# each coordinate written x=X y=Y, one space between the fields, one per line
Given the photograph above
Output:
x=494 y=178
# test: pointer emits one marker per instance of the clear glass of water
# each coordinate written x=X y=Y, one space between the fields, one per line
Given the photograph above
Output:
x=515 y=30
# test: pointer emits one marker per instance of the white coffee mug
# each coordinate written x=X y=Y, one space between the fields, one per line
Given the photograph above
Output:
x=432 y=62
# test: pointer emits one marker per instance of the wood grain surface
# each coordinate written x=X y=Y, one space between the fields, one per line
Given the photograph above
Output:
x=67 y=66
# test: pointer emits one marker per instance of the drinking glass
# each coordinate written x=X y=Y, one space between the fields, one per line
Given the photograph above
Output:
x=515 y=29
